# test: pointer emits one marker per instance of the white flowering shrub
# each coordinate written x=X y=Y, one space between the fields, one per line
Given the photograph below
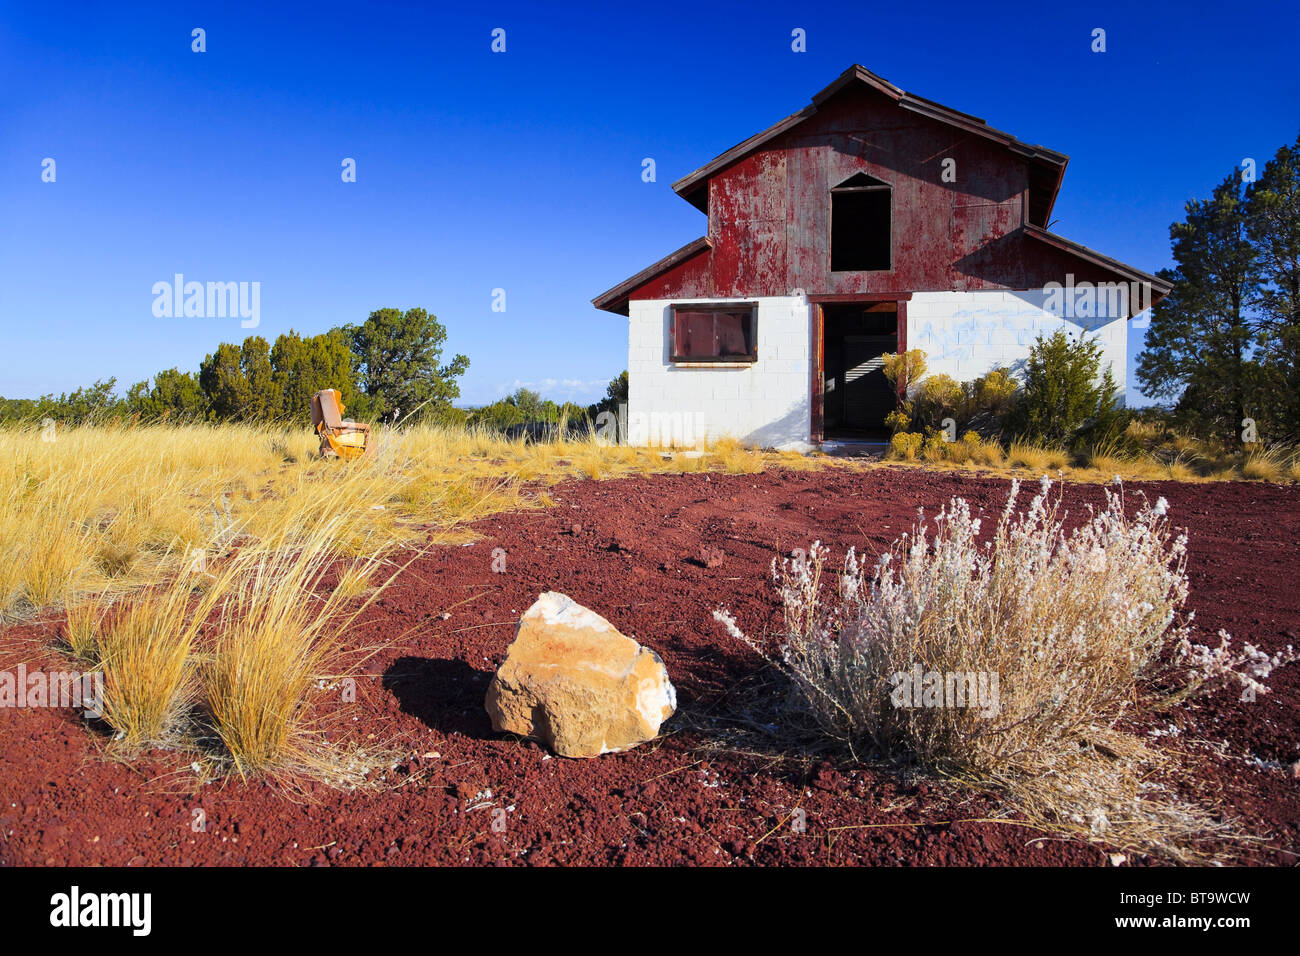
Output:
x=1060 y=625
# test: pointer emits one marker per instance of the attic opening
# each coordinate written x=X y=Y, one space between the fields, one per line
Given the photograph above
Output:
x=860 y=225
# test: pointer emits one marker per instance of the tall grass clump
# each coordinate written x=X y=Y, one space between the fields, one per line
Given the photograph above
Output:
x=1266 y=464
x=279 y=633
x=144 y=648
x=1068 y=629
x=81 y=628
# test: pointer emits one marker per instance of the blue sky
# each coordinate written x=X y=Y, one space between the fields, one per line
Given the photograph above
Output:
x=522 y=171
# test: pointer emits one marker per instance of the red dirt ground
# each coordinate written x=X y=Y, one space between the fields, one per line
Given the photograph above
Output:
x=631 y=550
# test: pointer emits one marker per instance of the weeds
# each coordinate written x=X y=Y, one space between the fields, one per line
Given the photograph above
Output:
x=1069 y=629
x=1142 y=452
x=104 y=510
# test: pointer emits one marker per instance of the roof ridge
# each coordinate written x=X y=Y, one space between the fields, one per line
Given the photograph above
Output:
x=688 y=186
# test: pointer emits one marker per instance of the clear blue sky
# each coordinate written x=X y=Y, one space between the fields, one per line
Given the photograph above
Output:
x=522 y=170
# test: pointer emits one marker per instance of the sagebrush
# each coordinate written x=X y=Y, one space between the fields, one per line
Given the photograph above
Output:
x=1072 y=629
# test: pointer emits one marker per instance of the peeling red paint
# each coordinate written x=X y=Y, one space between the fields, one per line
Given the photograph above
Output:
x=769 y=211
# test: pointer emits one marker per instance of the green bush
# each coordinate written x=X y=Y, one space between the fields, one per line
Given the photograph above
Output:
x=1067 y=399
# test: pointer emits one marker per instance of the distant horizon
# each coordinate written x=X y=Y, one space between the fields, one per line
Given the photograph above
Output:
x=515 y=179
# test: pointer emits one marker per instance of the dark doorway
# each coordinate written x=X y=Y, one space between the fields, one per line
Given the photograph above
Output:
x=856 y=396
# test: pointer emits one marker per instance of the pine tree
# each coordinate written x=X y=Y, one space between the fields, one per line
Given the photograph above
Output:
x=1272 y=213
x=398 y=354
x=1200 y=344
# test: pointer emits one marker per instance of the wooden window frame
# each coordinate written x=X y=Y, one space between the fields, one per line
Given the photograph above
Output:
x=730 y=361
x=817 y=425
x=830 y=226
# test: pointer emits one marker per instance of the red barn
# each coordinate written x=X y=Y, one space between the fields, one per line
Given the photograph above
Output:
x=870 y=221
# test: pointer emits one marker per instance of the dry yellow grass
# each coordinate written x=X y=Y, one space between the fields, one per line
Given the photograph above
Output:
x=192 y=562
x=278 y=634
x=1037 y=458
x=1270 y=464
x=354 y=581
x=145 y=648
x=81 y=629
x=1147 y=453
x=105 y=510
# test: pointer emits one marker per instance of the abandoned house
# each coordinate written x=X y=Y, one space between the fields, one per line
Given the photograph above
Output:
x=871 y=221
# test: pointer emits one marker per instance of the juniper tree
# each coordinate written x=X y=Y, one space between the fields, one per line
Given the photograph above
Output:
x=398 y=354
x=1066 y=392
x=1272 y=214
x=1201 y=341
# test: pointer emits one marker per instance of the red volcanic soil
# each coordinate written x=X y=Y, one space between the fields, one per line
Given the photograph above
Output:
x=655 y=555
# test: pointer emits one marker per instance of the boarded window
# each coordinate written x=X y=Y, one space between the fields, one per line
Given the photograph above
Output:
x=702 y=333
x=860 y=225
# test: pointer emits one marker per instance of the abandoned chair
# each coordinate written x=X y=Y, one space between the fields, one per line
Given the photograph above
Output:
x=339 y=437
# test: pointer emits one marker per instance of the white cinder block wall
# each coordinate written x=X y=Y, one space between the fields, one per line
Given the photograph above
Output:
x=765 y=404
x=963 y=334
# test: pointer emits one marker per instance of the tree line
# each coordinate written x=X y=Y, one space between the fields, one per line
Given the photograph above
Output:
x=387 y=368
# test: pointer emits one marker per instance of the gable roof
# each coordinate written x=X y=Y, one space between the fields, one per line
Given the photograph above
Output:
x=1047 y=167
x=689 y=267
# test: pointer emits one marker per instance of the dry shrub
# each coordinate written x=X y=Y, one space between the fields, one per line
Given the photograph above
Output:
x=905 y=446
x=1064 y=629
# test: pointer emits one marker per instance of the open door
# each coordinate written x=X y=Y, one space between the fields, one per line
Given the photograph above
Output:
x=856 y=396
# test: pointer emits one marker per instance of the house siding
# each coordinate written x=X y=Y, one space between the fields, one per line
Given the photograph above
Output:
x=964 y=334
x=766 y=403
